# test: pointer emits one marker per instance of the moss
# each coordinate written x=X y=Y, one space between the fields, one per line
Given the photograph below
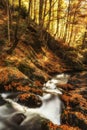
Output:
x=27 y=70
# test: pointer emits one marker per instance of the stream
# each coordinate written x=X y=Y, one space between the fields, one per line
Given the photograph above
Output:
x=51 y=107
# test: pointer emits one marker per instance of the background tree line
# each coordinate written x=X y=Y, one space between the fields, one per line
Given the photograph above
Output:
x=64 y=19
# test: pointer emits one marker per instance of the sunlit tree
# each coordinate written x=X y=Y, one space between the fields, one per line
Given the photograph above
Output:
x=64 y=19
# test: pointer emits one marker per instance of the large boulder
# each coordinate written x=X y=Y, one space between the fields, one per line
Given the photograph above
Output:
x=11 y=78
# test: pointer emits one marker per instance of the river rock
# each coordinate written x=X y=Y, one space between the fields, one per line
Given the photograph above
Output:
x=37 y=122
x=29 y=100
x=19 y=121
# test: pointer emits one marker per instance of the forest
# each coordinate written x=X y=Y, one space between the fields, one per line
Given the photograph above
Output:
x=43 y=64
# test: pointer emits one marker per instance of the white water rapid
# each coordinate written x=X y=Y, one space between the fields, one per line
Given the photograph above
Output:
x=51 y=103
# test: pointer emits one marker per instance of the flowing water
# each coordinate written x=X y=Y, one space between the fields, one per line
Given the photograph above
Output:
x=51 y=103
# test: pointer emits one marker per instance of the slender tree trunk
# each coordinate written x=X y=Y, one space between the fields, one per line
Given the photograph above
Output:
x=20 y=3
x=44 y=12
x=8 y=14
x=41 y=2
x=84 y=37
x=17 y=22
x=13 y=6
x=34 y=10
x=12 y=3
x=16 y=39
x=29 y=10
x=67 y=20
x=74 y=35
x=50 y=11
x=58 y=21
x=72 y=28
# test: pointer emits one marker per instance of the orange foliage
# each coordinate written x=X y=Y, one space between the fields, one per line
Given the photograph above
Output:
x=24 y=96
x=37 y=83
x=23 y=88
x=7 y=88
x=52 y=126
x=66 y=127
x=66 y=99
x=18 y=87
x=65 y=86
x=81 y=116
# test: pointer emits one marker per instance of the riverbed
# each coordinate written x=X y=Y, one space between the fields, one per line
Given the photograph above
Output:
x=51 y=107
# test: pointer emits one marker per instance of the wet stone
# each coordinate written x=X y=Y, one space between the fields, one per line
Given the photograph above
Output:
x=18 y=118
x=2 y=101
x=29 y=100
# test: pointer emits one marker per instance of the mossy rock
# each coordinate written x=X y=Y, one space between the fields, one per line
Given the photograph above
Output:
x=25 y=69
x=30 y=72
x=36 y=122
x=10 y=77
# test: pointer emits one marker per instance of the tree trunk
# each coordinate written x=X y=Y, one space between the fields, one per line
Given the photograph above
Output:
x=16 y=39
x=45 y=8
x=8 y=14
x=20 y=3
x=29 y=10
x=67 y=20
x=41 y=2
x=50 y=11
x=34 y=10
x=58 y=21
x=84 y=37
